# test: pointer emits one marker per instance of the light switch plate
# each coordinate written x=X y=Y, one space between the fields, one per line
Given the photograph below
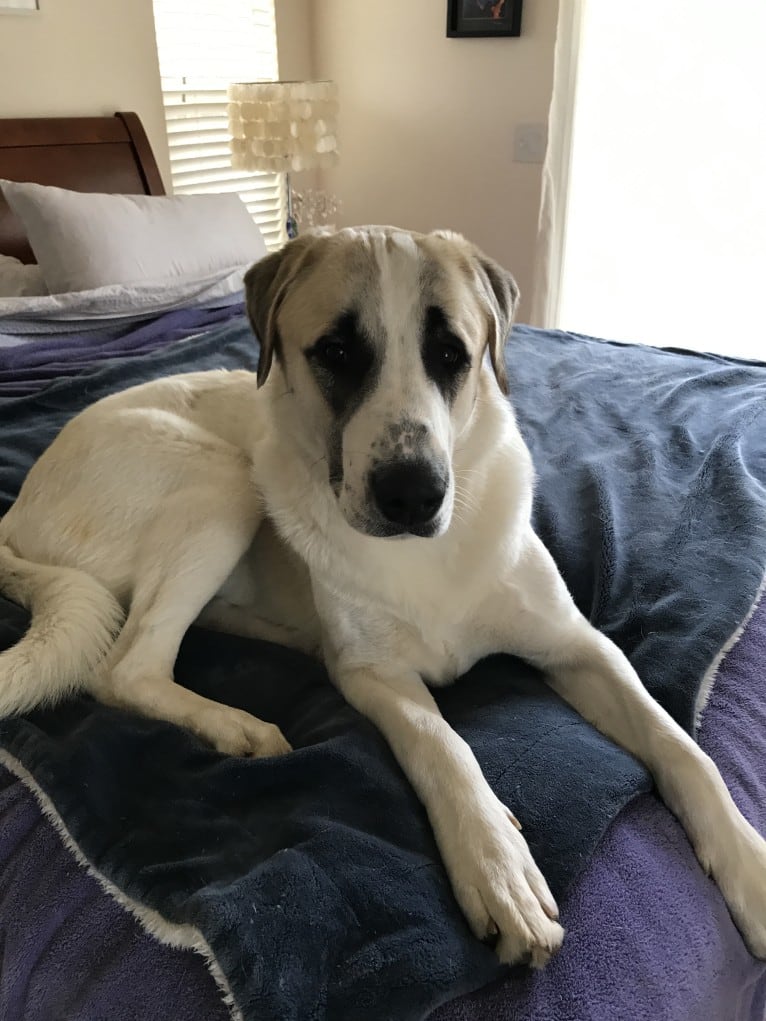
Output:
x=529 y=143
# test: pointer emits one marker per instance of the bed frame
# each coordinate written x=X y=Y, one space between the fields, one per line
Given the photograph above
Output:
x=96 y=154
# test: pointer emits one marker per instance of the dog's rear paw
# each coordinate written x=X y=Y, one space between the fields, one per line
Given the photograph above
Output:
x=502 y=892
x=234 y=732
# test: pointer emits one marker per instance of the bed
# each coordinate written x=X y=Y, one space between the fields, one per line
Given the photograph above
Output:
x=144 y=876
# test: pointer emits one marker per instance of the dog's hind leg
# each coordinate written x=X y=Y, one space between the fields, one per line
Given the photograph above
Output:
x=186 y=555
x=74 y=620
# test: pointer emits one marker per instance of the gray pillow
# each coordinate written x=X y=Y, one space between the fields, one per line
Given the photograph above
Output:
x=82 y=241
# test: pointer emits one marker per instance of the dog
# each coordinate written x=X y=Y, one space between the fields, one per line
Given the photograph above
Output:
x=365 y=496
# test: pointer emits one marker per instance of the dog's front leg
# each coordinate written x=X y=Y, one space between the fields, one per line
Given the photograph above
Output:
x=495 y=880
x=540 y=622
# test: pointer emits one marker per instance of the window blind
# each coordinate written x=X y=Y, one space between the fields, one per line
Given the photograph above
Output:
x=203 y=45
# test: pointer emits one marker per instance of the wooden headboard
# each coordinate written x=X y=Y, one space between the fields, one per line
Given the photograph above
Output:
x=100 y=154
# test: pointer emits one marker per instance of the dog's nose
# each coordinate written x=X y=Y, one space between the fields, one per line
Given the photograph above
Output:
x=408 y=492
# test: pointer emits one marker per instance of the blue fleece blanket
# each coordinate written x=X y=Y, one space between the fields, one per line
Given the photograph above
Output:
x=314 y=878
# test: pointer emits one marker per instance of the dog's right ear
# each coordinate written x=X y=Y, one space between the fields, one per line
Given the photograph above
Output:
x=266 y=284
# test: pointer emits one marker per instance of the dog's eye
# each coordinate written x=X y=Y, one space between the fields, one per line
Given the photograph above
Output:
x=331 y=353
x=450 y=356
x=445 y=355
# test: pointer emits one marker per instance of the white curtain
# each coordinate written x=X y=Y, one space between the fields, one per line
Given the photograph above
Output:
x=552 y=222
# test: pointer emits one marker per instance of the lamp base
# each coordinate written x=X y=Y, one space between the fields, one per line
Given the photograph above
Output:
x=291 y=224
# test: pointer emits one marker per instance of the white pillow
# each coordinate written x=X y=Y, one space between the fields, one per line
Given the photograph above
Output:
x=86 y=310
x=83 y=241
x=18 y=280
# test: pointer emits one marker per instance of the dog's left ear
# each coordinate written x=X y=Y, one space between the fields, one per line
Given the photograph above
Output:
x=503 y=296
x=266 y=284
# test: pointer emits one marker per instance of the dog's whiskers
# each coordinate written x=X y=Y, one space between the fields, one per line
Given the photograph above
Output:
x=463 y=498
x=463 y=514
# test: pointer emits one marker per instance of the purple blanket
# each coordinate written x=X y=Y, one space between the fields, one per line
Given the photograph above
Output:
x=27 y=368
x=648 y=935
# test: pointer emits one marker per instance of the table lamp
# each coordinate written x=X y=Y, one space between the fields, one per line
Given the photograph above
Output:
x=283 y=127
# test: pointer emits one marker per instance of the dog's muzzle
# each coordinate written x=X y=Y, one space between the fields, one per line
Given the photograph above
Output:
x=409 y=494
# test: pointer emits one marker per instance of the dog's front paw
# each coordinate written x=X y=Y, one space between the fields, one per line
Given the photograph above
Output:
x=234 y=732
x=499 y=887
x=741 y=876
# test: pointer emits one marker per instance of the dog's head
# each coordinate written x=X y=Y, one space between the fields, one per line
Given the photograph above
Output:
x=378 y=336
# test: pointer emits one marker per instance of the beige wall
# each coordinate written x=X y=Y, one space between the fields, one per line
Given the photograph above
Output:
x=295 y=38
x=297 y=62
x=426 y=123
x=83 y=57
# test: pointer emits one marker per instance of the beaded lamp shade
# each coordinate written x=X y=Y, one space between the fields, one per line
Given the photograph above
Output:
x=283 y=126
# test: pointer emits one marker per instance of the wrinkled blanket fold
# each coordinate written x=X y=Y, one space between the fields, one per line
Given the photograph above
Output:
x=314 y=878
x=26 y=368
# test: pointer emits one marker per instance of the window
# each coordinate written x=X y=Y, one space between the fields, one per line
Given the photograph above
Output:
x=203 y=45
x=666 y=212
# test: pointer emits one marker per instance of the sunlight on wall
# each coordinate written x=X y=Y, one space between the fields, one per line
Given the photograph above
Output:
x=666 y=225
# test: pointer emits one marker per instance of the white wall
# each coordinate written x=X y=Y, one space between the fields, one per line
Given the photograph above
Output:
x=83 y=57
x=426 y=122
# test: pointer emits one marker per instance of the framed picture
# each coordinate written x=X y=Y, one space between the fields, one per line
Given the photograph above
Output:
x=483 y=18
x=19 y=6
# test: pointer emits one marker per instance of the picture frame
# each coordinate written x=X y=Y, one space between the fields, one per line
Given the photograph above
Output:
x=476 y=19
x=19 y=6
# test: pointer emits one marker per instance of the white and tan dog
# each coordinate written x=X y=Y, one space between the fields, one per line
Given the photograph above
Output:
x=368 y=497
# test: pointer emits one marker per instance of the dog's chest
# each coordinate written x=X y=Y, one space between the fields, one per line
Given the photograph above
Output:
x=405 y=609
x=439 y=658
x=414 y=602
x=432 y=621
